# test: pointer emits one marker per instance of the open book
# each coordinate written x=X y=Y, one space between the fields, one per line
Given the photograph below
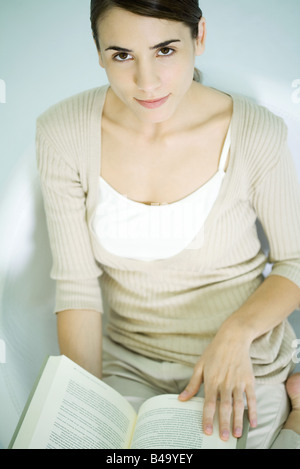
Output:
x=70 y=408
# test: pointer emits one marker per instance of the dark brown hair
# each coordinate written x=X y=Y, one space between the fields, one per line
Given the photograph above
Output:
x=185 y=11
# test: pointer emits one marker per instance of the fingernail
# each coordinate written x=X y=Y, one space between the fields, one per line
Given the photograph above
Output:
x=208 y=429
x=225 y=434
x=184 y=395
x=253 y=423
x=238 y=432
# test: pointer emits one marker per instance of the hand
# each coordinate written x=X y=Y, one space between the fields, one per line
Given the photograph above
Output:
x=226 y=370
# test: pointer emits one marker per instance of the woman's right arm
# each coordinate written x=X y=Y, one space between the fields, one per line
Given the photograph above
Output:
x=62 y=161
x=80 y=338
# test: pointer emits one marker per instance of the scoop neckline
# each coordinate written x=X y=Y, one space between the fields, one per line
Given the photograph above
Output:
x=95 y=169
x=174 y=204
x=187 y=197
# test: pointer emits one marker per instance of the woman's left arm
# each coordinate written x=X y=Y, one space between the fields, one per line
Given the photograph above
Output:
x=225 y=367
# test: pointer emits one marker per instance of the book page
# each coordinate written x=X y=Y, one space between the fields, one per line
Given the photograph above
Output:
x=81 y=412
x=165 y=423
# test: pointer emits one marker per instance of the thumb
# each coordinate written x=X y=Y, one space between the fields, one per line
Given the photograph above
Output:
x=194 y=385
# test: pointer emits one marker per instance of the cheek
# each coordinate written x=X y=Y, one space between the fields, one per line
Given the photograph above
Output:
x=121 y=77
x=119 y=82
x=180 y=73
x=113 y=74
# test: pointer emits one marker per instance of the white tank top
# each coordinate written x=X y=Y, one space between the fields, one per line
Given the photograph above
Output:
x=151 y=232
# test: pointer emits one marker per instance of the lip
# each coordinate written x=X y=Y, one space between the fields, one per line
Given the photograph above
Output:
x=153 y=103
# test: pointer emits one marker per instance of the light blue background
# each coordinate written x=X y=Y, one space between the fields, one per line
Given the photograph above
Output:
x=47 y=53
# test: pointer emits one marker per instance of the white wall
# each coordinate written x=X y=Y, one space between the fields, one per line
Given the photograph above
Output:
x=253 y=48
x=46 y=54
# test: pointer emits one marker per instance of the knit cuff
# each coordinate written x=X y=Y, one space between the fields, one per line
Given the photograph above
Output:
x=78 y=294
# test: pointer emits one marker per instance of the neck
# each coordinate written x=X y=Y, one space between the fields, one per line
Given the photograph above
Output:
x=153 y=131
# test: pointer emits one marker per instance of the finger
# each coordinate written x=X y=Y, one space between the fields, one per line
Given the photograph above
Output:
x=238 y=412
x=225 y=412
x=209 y=410
x=194 y=385
x=251 y=401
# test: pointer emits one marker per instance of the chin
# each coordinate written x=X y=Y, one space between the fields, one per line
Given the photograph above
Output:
x=155 y=116
x=155 y=119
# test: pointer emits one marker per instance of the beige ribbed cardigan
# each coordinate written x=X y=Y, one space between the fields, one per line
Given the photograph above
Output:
x=171 y=309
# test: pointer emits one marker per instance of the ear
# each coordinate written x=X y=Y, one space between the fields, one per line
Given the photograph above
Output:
x=201 y=38
x=101 y=63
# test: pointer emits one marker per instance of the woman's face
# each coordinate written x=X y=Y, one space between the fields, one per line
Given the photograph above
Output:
x=149 y=62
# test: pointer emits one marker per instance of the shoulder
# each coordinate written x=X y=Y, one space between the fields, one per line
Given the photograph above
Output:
x=212 y=104
x=256 y=123
x=258 y=135
x=66 y=115
x=252 y=117
x=65 y=130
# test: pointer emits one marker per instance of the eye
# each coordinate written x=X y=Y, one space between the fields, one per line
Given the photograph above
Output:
x=166 y=51
x=122 y=57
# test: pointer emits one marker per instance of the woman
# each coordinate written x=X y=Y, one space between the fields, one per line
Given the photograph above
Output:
x=152 y=186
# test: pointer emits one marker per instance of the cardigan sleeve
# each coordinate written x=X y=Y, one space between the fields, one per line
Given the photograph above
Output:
x=276 y=200
x=74 y=267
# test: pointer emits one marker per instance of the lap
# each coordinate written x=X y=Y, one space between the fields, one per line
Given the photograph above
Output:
x=139 y=378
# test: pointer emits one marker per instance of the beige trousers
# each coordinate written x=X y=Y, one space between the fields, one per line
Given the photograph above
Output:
x=138 y=378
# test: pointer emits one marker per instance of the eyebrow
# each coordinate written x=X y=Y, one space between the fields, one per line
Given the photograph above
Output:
x=157 y=46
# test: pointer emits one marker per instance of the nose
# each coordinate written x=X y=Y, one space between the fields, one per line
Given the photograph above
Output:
x=147 y=77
